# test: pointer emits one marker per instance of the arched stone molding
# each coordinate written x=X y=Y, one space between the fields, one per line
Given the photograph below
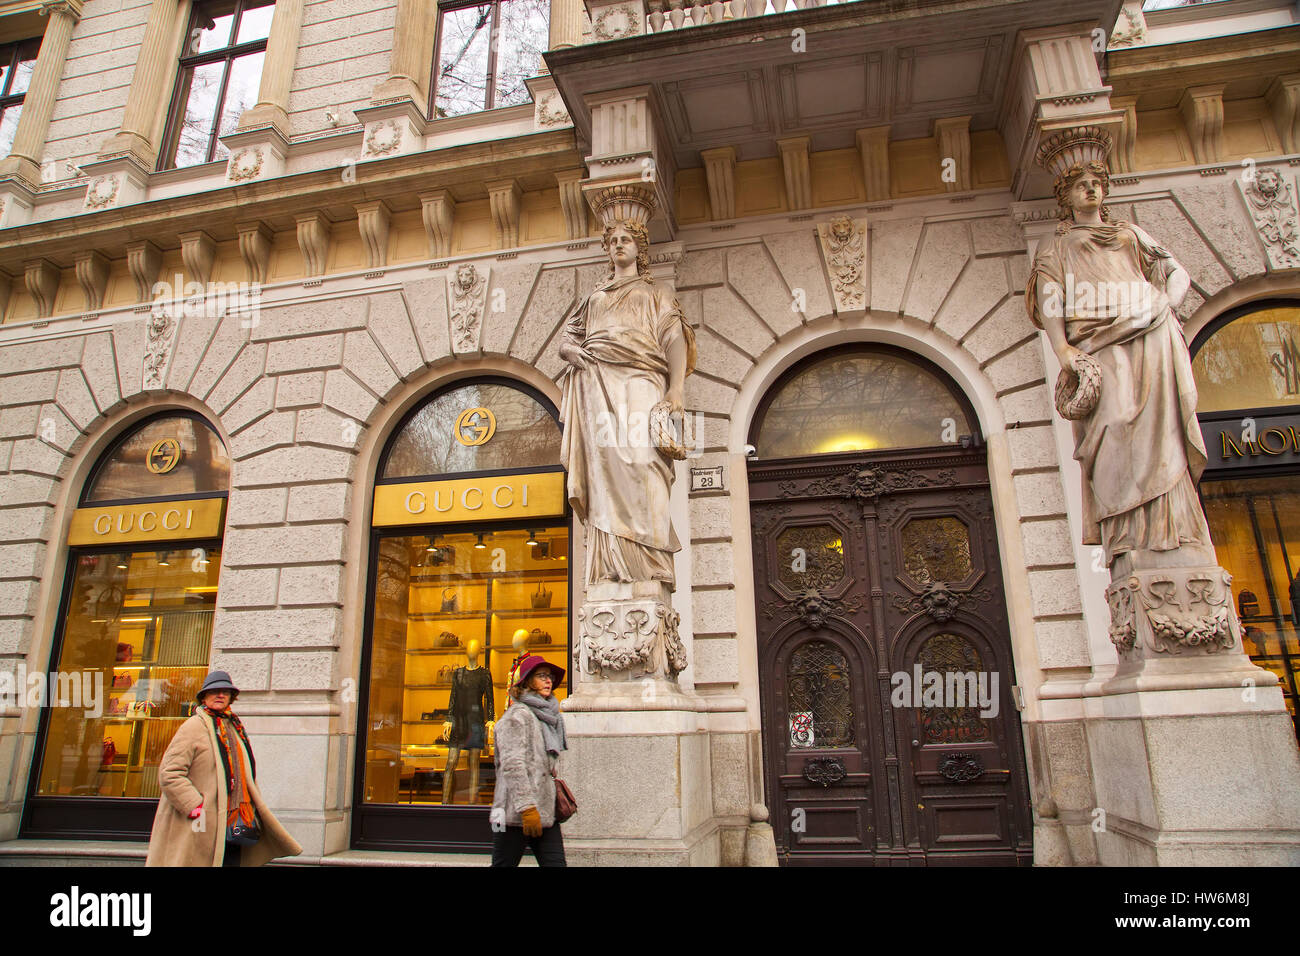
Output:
x=921 y=339
x=1284 y=285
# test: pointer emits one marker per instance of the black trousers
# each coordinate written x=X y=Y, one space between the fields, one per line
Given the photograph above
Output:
x=508 y=847
x=233 y=853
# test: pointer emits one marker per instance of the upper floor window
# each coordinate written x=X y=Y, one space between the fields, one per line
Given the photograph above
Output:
x=17 y=61
x=220 y=72
x=485 y=50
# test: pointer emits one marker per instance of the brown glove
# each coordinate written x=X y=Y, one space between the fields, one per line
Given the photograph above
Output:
x=532 y=821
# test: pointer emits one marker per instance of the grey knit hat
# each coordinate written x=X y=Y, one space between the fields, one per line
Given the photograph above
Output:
x=218 y=680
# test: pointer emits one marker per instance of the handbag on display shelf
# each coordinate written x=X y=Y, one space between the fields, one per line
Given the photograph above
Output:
x=124 y=652
x=444 y=674
x=448 y=603
x=565 y=804
x=448 y=639
x=537 y=636
x=122 y=681
x=541 y=598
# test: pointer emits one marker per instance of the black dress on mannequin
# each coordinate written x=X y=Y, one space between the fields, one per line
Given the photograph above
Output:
x=471 y=702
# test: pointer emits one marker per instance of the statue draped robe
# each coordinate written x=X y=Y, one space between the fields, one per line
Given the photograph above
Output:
x=619 y=481
x=1141 y=449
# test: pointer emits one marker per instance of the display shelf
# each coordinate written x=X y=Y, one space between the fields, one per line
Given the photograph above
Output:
x=517 y=613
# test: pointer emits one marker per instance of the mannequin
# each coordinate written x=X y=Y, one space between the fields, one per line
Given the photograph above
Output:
x=519 y=641
x=470 y=711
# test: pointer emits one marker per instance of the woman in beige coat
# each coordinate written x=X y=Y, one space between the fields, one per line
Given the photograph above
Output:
x=202 y=792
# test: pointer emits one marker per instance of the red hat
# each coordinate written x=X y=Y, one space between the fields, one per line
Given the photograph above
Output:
x=531 y=663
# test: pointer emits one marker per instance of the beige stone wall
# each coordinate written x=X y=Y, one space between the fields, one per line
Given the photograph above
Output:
x=307 y=397
x=343 y=54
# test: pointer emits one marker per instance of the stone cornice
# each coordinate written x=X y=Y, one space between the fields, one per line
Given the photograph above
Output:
x=1173 y=67
x=532 y=159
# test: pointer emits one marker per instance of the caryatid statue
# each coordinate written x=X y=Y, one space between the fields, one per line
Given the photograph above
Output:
x=1105 y=294
x=629 y=350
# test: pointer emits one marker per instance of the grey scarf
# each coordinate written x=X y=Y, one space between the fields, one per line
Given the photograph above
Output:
x=547 y=710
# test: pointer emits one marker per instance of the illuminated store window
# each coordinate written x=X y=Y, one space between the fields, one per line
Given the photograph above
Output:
x=17 y=63
x=220 y=71
x=135 y=627
x=1247 y=369
x=860 y=400
x=485 y=51
x=470 y=570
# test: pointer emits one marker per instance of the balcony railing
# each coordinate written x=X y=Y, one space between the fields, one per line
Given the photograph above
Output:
x=665 y=15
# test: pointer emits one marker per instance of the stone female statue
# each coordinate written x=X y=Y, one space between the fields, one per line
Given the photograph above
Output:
x=1105 y=293
x=629 y=350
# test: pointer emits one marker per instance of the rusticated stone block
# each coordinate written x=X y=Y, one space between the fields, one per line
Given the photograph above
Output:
x=243 y=372
x=715 y=661
x=712 y=563
x=297 y=671
x=945 y=248
x=250 y=507
x=296 y=465
x=1018 y=367
x=507 y=294
x=73 y=396
x=273 y=431
x=426 y=303
x=306 y=354
x=552 y=299
x=725 y=313
x=893 y=244
x=800 y=264
x=1039 y=495
x=710 y=517
x=248 y=671
x=980 y=288
x=319 y=502
x=226 y=345
x=255 y=404
x=1047 y=542
x=249 y=587
x=307 y=627
x=1032 y=447
x=128 y=344
x=346 y=396
x=299 y=391
x=311 y=584
x=302 y=544
x=1055 y=592
x=752 y=274
x=311 y=319
x=363 y=359
x=714 y=612
x=391 y=328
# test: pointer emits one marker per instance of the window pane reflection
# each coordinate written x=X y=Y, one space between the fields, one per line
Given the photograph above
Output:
x=200 y=91
x=1255 y=527
x=866 y=401
x=445 y=613
x=211 y=27
x=202 y=465
x=526 y=435
x=9 y=127
x=136 y=636
x=463 y=60
x=1252 y=362
x=521 y=41
x=255 y=24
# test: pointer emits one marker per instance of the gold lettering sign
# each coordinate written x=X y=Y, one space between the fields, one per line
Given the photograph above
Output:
x=470 y=499
x=160 y=521
x=164 y=455
x=475 y=426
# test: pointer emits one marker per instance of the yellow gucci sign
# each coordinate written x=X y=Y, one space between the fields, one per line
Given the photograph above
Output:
x=164 y=455
x=475 y=426
x=470 y=499
x=162 y=521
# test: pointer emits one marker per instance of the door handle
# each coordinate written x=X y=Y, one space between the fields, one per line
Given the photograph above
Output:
x=916 y=743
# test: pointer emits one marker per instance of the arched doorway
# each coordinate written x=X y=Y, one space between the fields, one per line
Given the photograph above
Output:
x=470 y=565
x=890 y=736
x=1247 y=369
x=134 y=631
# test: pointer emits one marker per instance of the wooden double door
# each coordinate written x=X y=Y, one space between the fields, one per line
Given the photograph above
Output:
x=891 y=737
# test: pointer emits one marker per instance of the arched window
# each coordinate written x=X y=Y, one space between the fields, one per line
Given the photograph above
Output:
x=135 y=627
x=471 y=566
x=864 y=399
x=1247 y=369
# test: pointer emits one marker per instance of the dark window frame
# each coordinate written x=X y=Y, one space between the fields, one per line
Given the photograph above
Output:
x=11 y=54
x=494 y=28
x=188 y=62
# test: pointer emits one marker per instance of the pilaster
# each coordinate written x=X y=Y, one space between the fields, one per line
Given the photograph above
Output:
x=92 y=273
x=414 y=27
x=1124 y=158
x=313 y=242
x=873 y=150
x=255 y=240
x=272 y=108
x=154 y=65
x=1284 y=99
x=373 y=219
x=503 y=196
x=796 y=164
x=393 y=129
x=439 y=209
x=143 y=260
x=627 y=146
x=720 y=173
x=953 y=137
x=1202 y=109
x=24 y=159
x=572 y=204
x=198 y=252
x=565 y=23
x=42 y=278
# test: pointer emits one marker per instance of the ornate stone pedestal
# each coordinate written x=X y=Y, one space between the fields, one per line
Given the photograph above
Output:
x=1194 y=753
x=638 y=757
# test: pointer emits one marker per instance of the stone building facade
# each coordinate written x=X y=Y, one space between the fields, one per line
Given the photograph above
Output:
x=307 y=295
